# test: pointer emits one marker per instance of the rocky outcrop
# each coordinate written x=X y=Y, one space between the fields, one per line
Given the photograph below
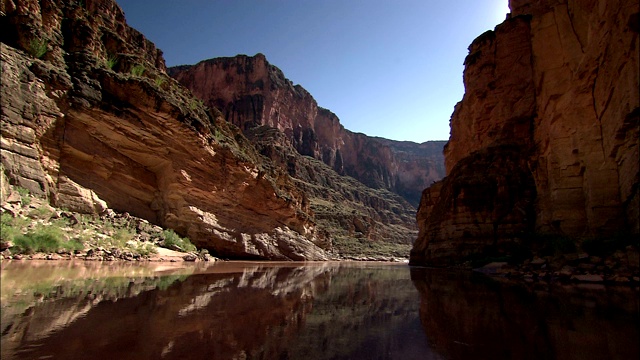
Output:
x=89 y=117
x=360 y=188
x=552 y=108
x=251 y=93
x=355 y=217
x=493 y=195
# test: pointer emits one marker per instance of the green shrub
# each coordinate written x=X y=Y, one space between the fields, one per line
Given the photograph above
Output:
x=160 y=81
x=195 y=103
x=173 y=240
x=11 y=227
x=37 y=48
x=41 y=239
x=32 y=243
x=137 y=70
x=111 y=62
x=73 y=245
x=145 y=249
x=121 y=237
x=24 y=195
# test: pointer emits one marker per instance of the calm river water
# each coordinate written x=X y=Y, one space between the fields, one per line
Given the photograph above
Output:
x=235 y=310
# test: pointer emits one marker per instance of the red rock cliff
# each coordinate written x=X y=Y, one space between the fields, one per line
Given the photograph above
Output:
x=251 y=92
x=545 y=140
x=90 y=119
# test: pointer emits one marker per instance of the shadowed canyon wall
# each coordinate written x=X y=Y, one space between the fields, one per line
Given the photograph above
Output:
x=251 y=93
x=545 y=139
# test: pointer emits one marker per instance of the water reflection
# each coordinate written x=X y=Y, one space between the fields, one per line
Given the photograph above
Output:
x=474 y=317
x=228 y=311
x=301 y=311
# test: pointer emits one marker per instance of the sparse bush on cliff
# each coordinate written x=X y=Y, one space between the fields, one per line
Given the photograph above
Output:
x=137 y=70
x=160 y=81
x=195 y=103
x=111 y=62
x=39 y=228
x=38 y=47
x=121 y=237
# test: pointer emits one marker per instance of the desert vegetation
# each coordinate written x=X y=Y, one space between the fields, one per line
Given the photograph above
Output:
x=31 y=228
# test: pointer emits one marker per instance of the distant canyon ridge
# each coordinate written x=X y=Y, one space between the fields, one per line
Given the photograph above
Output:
x=232 y=155
x=251 y=93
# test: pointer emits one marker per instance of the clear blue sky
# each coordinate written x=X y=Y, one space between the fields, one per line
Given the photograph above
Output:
x=390 y=68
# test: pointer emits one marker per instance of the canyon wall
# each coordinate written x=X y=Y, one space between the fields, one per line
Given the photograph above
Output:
x=251 y=93
x=545 y=139
x=91 y=121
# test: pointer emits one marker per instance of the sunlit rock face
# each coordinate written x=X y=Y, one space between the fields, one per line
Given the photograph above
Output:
x=557 y=85
x=286 y=125
x=81 y=128
x=251 y=93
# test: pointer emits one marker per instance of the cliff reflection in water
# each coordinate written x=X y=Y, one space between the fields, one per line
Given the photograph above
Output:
x=305 y=311
x=474 y=317
x=227 y=311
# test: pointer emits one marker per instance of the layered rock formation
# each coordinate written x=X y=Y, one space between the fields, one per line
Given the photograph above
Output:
x=90 y=119
x=287 y=125
x=251 y=93
x=358 y=219
x=545 y=140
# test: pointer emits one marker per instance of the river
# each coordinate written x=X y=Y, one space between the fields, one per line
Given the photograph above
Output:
x=324 y=310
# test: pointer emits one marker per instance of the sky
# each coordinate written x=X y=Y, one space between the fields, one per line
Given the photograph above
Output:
x=389 y=68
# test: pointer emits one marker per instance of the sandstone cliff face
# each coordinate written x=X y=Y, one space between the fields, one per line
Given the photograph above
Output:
x=251 y=92
x=556 y=87
x=79 y=128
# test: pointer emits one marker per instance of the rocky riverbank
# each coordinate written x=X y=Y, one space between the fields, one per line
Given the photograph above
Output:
x=33 y=230
x=621 y=268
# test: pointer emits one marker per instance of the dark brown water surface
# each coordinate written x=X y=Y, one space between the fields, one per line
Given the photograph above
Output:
x=233 y=310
